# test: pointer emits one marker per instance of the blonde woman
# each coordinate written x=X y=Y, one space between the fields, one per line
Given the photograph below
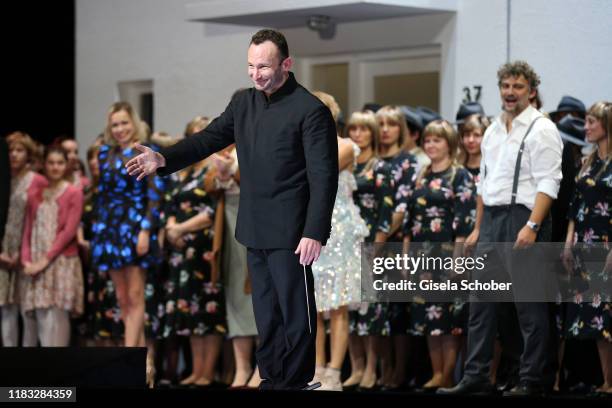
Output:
x=440 y=210
x=124 y=242
x=589 y=223
x=403 y=167
x=374 y=197
x=337 y=272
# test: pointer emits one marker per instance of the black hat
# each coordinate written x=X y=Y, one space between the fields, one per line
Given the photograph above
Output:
x=571 y=130
x=569 y=104
x=413 y=118
x=427 y=115
x=468 y=109
x=372 y=106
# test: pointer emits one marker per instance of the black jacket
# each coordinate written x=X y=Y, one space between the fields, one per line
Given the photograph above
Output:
x=288 y=157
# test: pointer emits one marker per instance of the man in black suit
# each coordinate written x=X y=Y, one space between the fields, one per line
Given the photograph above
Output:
x=288 y=156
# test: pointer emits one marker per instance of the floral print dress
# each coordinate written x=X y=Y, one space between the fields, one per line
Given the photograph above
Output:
x=60 y=284
x=194 y=304
x=11 y=242
x=403 y=167
x=442 y=207
x=374 y=197
x=124 y=207
x=590 y=209
x=121 y=208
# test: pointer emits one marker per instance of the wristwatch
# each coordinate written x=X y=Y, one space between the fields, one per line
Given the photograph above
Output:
x=535 y=227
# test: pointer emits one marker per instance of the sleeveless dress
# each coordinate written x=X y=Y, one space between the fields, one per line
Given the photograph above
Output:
x=337 y=272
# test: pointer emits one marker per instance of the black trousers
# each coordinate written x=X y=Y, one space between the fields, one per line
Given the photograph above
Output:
x=503 y=225
x=286 y=318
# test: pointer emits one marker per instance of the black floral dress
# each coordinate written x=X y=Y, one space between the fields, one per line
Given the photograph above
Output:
x=590 y=209
x=194 y=305
x=403 y=168
x=441 y=208
x=374 y=197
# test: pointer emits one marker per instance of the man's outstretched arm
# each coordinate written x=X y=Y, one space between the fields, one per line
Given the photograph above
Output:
x=218 y=135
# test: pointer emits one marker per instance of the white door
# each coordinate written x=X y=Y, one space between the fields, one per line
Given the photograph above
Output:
x=400 y=77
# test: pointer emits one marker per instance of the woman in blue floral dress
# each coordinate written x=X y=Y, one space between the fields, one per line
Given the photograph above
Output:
x=590 y=225
x=124 y=242
x=440 y=210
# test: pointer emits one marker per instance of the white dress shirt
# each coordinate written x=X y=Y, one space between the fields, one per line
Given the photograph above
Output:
x=540 y=165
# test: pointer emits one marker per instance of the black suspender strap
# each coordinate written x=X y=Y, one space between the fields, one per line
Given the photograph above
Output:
x=517 y=167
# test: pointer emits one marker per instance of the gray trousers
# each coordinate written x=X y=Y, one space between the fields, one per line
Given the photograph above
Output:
x=502 y=224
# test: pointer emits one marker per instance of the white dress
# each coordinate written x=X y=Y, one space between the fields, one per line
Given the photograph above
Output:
x=337 y=272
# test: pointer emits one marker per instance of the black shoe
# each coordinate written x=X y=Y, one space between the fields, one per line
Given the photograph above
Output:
x=265 y=385
x=525 y=389
x=312 y=386
x=201 y=386
x=375 y=387
x=350 y=387
x=505 y=386
x=468 y=387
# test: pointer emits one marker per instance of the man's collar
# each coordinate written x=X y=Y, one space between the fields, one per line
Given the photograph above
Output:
x=524 y=118
x=287 y=88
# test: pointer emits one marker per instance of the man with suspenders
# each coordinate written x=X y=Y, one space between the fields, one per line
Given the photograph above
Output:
x=521 y=174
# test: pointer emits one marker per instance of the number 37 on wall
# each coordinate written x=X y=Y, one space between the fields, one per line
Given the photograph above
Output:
x=467 y=92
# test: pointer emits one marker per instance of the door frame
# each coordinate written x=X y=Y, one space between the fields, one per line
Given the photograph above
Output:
x=363 y=66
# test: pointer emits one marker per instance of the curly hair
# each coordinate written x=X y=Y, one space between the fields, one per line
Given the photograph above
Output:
x=516 y=69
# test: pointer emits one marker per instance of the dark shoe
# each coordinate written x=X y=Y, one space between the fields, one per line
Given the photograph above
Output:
x=505 y=386
x=525 y=389
x=265 y=385
x=468 y=387
x=390 y=388
x=312 y=386
x=375 y=387
x=201 y=386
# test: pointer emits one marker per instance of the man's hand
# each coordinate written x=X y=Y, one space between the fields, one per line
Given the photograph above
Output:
x=470 y=242
x=309 y=250
x=223 y=161
x=145 y=163
x=525 y=238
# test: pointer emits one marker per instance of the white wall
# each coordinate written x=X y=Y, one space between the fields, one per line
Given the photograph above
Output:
x=571 y=49
x=196 y=67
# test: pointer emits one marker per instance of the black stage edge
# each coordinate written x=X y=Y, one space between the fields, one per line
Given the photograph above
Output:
x=314 y=399
x=73 y=366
